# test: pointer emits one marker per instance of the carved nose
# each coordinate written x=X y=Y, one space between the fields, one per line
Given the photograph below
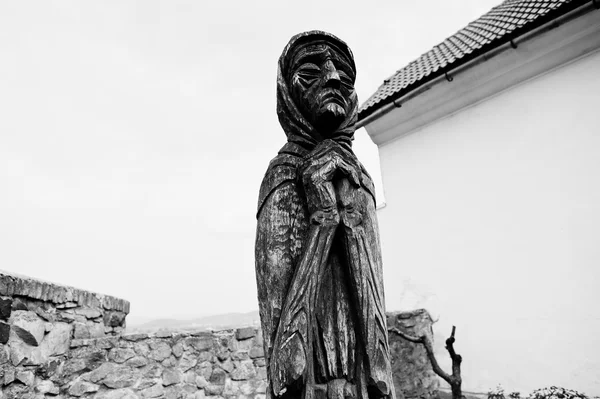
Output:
x=332 y=77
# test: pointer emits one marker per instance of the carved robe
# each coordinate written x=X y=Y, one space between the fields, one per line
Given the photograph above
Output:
x=320 y=287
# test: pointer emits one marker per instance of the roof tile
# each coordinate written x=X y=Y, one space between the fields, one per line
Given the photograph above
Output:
x=492 y=28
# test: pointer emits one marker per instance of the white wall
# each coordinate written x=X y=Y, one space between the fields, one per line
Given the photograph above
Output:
x=493 y=223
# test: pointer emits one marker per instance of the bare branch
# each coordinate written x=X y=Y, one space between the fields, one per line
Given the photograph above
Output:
x=424 y=339
x=455 y=379
x=408 y=337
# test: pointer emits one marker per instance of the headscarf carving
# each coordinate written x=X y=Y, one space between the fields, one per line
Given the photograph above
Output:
x=297 y=128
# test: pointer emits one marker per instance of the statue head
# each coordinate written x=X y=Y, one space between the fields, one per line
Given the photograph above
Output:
x=316 y=83
x=321 y=78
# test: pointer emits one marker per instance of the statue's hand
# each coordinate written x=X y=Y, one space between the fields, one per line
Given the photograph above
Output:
x=325 y=162
x=350 y=202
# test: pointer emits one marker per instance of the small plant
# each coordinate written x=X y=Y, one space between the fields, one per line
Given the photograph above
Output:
x=556 y=393
x=514 y=395
x=496 y=393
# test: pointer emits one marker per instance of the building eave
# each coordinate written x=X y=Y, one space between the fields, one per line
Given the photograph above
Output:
x=380 y=99
x=523 y=56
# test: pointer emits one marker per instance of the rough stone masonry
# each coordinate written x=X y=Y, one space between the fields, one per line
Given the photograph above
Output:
x=62 y=342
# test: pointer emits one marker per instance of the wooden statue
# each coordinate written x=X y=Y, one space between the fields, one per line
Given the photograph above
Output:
x=318 y=257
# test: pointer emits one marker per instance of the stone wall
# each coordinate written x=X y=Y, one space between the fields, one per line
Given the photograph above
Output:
x=38 y=321
x=413 y=375
x=222 y=364
x=66 y=343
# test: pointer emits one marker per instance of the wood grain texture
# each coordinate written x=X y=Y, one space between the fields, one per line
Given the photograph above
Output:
x=318 y=257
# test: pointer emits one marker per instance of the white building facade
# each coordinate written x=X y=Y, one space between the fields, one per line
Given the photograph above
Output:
x=491 y=174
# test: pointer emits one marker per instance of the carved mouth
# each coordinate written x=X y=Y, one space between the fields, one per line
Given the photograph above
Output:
x=333 y=96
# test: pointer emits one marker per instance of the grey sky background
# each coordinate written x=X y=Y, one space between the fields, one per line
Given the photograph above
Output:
x=134 y=135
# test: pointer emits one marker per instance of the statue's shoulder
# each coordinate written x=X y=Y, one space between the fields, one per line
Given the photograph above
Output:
x=282 y=169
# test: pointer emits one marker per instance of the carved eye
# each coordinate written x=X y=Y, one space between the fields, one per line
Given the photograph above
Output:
x=308 y=72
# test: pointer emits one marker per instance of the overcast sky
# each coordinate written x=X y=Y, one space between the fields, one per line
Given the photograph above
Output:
x=134 y=135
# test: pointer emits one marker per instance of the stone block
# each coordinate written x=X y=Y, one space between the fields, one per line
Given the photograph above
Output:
x=212 y=389
x=244 y=371
x=178 y=349
x=19 y=351
x=88 y=330
x=28 y=326
x=137 y=361
x=155 y=391
x=205 y=369
x=189 y=377
x=9 y=375
x=5 y=308
x=135 y=337
x=159 y=350
x=173 y=392
x=245 y=345
x=15 y=391
x=48 y=315
x=153 y=371
x=247 y=388
x=108 y=342
x=46 y=387
x=26 y=377
x=261 y=387
x=56 y=342
x=74 y=366
x=218 y=377
x=114 y=318
x=18 y=304
x=171 y=361
x=120 y=355
x=100 y=373
x=227 y=365
x=171 y=377
x=4 y=355
x=141 y=348
x=4 y=332
x=80 y=388
x=206 y=357
x=187 y=361
x=88 y=313
x=240 y=355
x=119 y=377
x=201 y=382
x=231 y=389
x=257 y=351
x=261 y=373
x=199 y=343
x=164 y=334
x=245 y=333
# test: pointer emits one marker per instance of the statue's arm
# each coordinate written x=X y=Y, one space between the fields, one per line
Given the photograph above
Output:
x=281 y=224
x=292 y=358
x=360 y=236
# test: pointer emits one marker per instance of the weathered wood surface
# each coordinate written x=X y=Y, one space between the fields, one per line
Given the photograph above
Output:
x=318 y=257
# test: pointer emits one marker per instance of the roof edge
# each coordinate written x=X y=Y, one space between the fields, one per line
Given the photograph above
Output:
x=536 y=54
x=366 y=115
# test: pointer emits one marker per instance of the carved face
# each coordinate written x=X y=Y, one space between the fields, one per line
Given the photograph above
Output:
x=322 y=84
